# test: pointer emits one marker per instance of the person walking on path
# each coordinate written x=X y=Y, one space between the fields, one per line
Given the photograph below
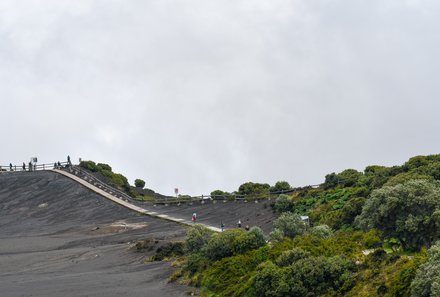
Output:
x=24 y=167
x=194 y=217
x=68 y=161
x=10 y=166
x=239 y=224
x=222 y=226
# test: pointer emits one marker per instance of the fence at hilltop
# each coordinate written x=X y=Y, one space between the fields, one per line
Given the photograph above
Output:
x=158 y=199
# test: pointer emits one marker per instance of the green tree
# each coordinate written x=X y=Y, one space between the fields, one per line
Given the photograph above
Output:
x=290 y=224
x=197 y=237
x=427 y=280
x=256 y=189
x=280 y=186
x=102 y=166
x=291 y=256
x=283 y=203
x=247 y=241
x=219 y=194
x=409 y=212
x=139 y=183
x=404 y=177
x=322 y=231
x=222 y=245
x=270 y=281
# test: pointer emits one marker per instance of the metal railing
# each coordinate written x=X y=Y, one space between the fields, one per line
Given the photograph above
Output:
x=90 y=178
x=33 y=167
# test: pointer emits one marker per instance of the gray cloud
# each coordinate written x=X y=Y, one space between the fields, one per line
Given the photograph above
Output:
x=210 y=94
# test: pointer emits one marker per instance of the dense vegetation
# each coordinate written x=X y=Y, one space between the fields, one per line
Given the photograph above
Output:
x=370 y=233
x=117 y=180
x=254 y=190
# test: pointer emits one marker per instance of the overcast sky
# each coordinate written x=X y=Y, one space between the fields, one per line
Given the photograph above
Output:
x=205 y=95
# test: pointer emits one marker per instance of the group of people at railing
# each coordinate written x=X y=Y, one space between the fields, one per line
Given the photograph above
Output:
x=34 y=167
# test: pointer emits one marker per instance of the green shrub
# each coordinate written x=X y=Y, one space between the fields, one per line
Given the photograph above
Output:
x=283 y=203
x=219 y=194
x=409 y=212
x=89 y=165
x=289 y=257
x=276 y=235
x=290 y=224
x=221 y=244
x=404 y=177
x=197 y=237
x=139 y=183
x=310 y=276
x=247 y=241
x=232 y=275
x=270 y=281
x=427 y=280
x=195 y=263
x=171 y=249
x=102 y=166
x=254 y=189
x=280 y=186
x=322 y=231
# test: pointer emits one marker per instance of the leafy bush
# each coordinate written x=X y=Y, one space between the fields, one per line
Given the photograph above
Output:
x=139 y=183
x=89 y=165
x=347 y=178
x=427 y=280
x=255 y=189
x=276 y=235
x=197 y=237
x=291 y=256
x=195 y=263
x=280 y=186
x=171 y=249
x=247 y=241
x=102 y=166
x=270 y=281
x=322 y=231
x=115 y=179
x=283 y=203
x=310 y=276
x=233 y=276
x=219 y=194
x=290 y=224
x=376 y=176
x=404 y=177
x=221 y=245
x=410 y=212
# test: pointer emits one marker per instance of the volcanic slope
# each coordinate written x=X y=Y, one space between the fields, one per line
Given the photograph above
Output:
x=58 y=238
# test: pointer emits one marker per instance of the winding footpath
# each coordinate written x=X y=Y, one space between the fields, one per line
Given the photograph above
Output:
x=129 y=205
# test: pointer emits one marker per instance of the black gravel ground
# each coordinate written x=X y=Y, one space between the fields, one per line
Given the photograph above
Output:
x=59 y=239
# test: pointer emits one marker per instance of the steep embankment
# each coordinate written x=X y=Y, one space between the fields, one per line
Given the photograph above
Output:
x=58 y=238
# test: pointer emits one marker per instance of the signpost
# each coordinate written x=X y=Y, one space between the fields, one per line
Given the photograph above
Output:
x=33 y=162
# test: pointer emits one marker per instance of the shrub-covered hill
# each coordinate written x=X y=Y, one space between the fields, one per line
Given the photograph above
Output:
x=370 y=233
x=105 y=173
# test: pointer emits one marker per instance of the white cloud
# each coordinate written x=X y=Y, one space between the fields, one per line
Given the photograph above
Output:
x=202 y=95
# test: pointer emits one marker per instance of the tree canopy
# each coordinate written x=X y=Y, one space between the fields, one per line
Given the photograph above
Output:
x=409 y=212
